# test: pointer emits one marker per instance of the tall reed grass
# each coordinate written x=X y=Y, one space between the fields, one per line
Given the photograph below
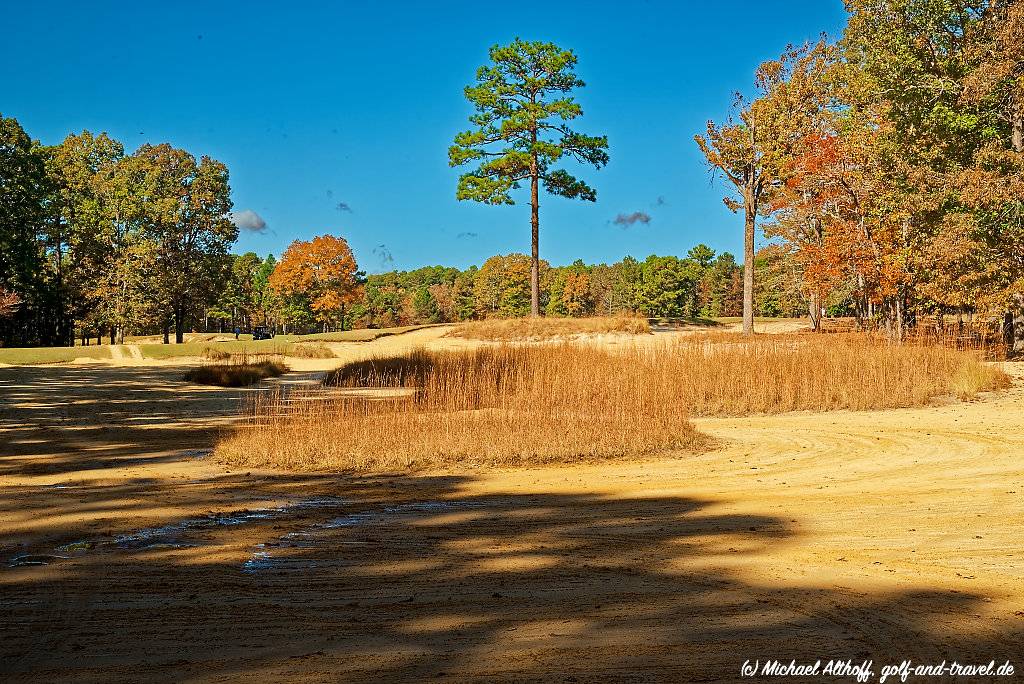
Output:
x=532 y=404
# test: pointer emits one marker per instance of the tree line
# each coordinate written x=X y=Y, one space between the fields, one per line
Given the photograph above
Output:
x=97 y=243
x=268 y=292
x=885 y=168
x=889 y=165
x=103 y=242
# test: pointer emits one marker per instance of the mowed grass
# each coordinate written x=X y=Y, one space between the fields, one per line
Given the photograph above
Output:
x=204 y=346
x=27 y=356
x=202 y=349
x=283 y=345
x=235 y=374
x=513 y=329
x=516 y=405
x=299 y=350
x=361 y=335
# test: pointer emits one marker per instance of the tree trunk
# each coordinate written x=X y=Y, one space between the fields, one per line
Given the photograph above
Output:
x=861 y=308
x=814 y=309
x=748 y=266
x=534 y=236
x=66 y=339
x=113 y=334
x=167 y=332
x=179 y=323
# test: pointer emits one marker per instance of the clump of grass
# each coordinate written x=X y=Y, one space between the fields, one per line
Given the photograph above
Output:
x=722 y=374
x=515 y=405
x=308 y=350
x=236 y=374
x=511 y=329
x=215 y=354
x=504 y=405
x=967 y=380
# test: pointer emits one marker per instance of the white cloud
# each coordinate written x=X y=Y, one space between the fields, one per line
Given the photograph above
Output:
x=247 y=219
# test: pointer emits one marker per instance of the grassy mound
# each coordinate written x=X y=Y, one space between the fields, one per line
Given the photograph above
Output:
x=512 y=329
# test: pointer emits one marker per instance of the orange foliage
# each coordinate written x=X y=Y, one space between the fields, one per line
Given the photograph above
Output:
x=827 y=216
x=324 y=270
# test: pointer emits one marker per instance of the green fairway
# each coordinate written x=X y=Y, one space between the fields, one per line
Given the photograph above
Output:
x=282 y=344
x=26 y=356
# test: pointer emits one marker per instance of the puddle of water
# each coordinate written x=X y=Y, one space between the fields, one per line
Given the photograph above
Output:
x=264 y=559
x=84 y=545
x=27 y=559
x=166 y=535
x=170 y=536
x=197 y=454
x=348 y=520
x=260 y=561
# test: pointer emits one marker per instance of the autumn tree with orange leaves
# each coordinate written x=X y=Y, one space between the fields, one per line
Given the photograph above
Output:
x=902 y=190
x=824 y=214
x=322 y=271
x=753 y=152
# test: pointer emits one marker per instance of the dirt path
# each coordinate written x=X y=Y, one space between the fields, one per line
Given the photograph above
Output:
x=884 y=535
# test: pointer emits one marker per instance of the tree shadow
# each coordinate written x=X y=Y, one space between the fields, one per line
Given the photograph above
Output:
x=404 y=579
x=61 y=419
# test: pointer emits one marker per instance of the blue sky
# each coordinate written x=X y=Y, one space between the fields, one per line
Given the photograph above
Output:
x=316 y=105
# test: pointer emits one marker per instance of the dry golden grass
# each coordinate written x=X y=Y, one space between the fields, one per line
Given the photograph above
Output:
x=503 y=405
x=298 y=350
x=238 y=373
x=511 y=329
x=229 y=352
x=725 y=374
x=311 y=350
x=524 y=405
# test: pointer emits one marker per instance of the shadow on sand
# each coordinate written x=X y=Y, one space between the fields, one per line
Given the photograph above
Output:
x=397 y=579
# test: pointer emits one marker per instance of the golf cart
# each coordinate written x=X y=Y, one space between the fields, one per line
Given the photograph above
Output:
x=262 y=332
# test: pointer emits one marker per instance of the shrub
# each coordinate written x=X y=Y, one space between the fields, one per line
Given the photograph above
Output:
x=311 y=351
x=235 y=374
